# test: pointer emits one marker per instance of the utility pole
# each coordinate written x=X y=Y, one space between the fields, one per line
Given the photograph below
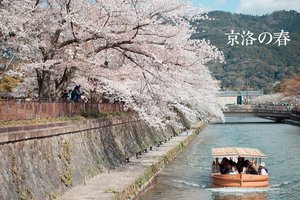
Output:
x=247 y=91
x=247 y=75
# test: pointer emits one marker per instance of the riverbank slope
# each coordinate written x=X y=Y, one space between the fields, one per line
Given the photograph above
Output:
x=130 y=180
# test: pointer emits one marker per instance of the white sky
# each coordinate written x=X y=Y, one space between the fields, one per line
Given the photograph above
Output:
x=260 y=7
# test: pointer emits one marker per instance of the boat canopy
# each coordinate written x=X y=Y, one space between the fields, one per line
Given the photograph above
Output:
x=237 y=152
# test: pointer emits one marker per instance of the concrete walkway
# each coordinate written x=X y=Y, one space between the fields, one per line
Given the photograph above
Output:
x=105 y=185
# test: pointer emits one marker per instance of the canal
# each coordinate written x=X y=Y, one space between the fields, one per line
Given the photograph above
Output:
x=188 y=177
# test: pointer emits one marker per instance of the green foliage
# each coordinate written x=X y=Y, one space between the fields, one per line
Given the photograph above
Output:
x=139 y=182
x=258 y=66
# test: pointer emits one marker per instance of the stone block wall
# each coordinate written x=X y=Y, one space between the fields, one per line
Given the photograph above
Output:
x=44 y=167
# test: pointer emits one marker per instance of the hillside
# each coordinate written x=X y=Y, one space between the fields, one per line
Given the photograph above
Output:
x=257 y=66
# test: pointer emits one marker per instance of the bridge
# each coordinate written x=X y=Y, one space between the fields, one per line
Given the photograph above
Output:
x=275 y=113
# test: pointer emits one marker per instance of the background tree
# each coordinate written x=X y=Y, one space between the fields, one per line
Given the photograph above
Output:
x=291 y=87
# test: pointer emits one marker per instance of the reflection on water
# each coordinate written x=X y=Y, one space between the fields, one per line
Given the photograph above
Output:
x=188 y=177
x=247 y=196
x=239 y=193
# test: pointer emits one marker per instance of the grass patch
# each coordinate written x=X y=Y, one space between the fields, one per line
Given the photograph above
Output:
x=83 y=116
x=102 y=114
x=39 y=121
x=110 y=191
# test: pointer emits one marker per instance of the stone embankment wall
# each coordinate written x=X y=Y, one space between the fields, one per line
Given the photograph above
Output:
x=295 y=115
x=45 y=164
x=143 y=182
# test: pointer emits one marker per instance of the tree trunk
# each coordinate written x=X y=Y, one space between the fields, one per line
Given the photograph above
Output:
x=44 y=82
x=43 y=79
x=62 y=82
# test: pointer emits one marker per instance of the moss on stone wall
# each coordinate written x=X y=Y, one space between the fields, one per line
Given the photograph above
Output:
x=65 y=155
x=18 y=180
x=66 y=176
x=26 y=195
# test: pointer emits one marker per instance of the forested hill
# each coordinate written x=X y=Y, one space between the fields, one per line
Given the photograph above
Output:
x=261 y=64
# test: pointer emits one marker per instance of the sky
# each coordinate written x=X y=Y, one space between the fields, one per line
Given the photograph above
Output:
x=253 y=7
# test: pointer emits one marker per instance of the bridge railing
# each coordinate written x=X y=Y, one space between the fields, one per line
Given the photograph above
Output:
x=271 y=109
x=258 y=108
x=296 y=112
x=239 y=108
x=22 y=110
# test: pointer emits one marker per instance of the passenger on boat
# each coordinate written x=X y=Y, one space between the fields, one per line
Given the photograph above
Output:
x=217 y=165
x=232 y=162
x=213 y=167
x=240 y=164
x=262 y=169
x=244 y=170
x=234 y=170
x=251 y=167
x=222 y=164
x=225 y=166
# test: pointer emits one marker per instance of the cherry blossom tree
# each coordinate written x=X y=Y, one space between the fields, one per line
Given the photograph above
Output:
x=138 y=50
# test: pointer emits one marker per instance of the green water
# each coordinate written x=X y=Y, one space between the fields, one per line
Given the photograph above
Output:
x=188 y=177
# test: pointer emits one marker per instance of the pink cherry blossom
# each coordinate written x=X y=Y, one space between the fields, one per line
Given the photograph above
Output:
x=139 y=51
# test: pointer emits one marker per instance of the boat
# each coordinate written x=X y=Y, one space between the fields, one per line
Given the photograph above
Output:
x=245 y=178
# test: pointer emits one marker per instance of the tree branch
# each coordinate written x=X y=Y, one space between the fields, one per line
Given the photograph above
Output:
x=67 y=42
x=108 y=46
x=36 y=2
x=45 y=55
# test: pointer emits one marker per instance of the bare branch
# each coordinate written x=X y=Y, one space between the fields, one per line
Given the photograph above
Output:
x=56 y=37
x=68 y=8
x=45 y=55
x=36 y=3
x=108 y=17
x=108 y=46
x=67 y=42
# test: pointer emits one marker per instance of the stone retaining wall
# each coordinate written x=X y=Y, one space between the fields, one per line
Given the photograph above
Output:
x=41 y=163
